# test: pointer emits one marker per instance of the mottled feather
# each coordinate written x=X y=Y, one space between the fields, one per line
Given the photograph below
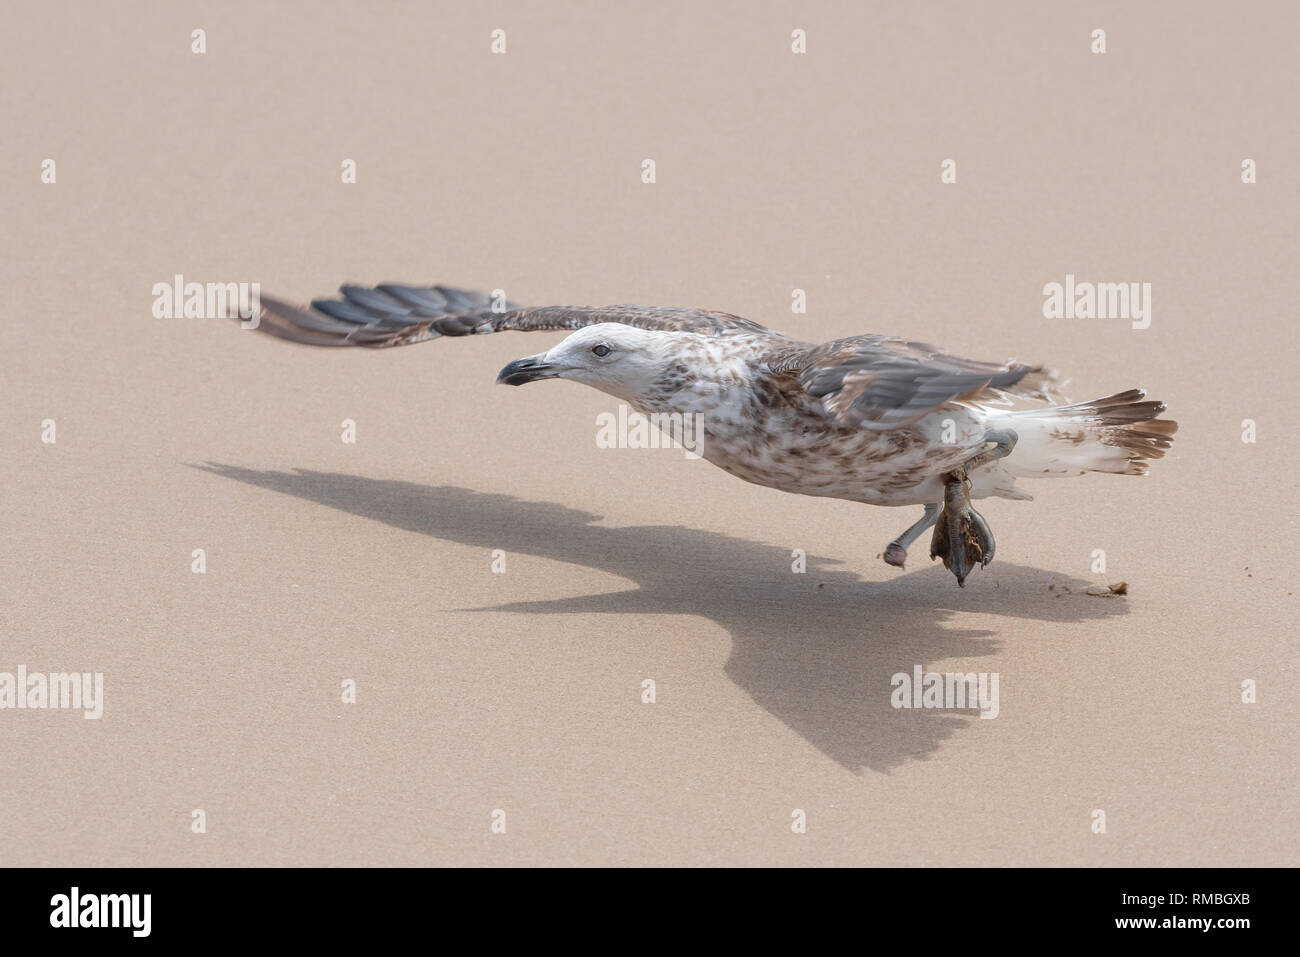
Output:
x=393 y=314
x=869 y=381
x=866 y=418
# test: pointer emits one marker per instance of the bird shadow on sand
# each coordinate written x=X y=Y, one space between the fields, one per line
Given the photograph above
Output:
x=816 y=650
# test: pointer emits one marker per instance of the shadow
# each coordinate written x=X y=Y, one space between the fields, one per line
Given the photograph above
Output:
x=815 y=650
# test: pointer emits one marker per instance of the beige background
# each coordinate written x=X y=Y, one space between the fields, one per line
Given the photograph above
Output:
x=521 y=691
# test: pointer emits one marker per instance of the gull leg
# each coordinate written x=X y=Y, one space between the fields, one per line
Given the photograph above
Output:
x=896 y=551
x=961 y=536
x=1004 y=440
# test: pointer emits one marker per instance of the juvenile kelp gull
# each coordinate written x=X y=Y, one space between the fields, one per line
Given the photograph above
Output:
x=875 y=419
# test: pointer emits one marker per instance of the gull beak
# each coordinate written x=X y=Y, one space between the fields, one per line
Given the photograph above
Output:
x=527 y=369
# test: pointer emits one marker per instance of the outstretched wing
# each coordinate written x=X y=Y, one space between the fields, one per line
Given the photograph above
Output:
x=397 y=315
x=883 y=382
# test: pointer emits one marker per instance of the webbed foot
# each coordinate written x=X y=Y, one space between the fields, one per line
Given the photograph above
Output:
x=896 y=551
x=961 y=536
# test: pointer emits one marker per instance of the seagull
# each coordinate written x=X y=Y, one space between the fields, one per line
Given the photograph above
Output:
x=876 y=419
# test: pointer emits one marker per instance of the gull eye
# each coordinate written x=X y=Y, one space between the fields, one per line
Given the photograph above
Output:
x=601 y=350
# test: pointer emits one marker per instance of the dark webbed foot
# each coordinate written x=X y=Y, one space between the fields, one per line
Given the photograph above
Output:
x=895 y=554
x=896 y=551
x=961 y=536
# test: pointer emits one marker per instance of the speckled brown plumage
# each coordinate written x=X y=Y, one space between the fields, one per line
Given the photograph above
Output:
x=870 y=418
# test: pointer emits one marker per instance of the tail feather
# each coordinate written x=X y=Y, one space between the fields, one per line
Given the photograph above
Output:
x=1118 y=433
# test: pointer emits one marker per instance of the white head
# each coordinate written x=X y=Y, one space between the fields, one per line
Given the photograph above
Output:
x=623 y=361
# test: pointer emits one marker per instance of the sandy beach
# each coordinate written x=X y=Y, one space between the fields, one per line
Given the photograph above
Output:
x=134 y=444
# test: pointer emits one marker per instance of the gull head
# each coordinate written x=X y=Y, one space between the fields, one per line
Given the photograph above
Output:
x=621 y=360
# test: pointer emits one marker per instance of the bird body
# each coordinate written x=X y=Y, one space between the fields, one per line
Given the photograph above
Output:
x=766 y=429
x=876 y=419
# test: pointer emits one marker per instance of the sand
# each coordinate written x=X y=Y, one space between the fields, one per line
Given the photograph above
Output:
x=522 y=692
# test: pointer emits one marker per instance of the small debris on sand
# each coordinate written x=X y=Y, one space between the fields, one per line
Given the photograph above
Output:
x=1107 y=591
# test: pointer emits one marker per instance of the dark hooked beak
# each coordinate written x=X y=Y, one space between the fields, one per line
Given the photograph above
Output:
x=528 y=369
